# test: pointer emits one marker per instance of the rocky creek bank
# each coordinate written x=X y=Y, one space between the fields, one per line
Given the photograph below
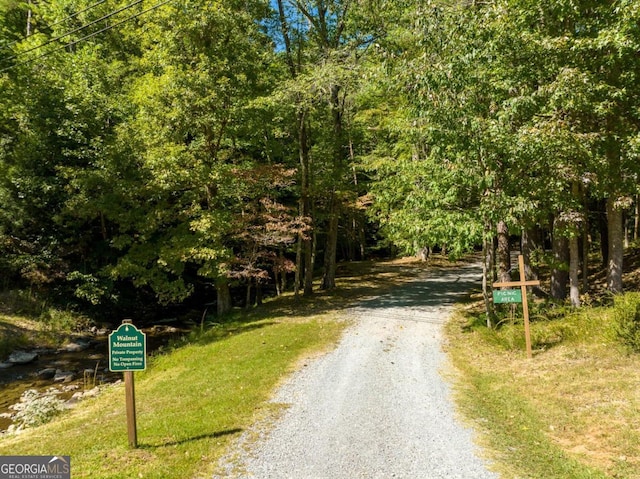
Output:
x=40 y=381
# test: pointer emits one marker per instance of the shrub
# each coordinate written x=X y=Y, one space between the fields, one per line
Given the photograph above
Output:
x=37 y=408
x=626 y=316
x=57 y=321
x=21 y=302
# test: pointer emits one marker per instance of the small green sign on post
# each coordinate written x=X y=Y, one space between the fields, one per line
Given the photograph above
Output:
x=127 y=349
x=507 y=296
x=521 y=294
x=128 y=353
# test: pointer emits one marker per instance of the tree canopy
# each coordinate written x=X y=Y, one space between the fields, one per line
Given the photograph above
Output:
x=170 y=152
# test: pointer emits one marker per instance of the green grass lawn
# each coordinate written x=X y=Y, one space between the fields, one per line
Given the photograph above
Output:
x=570 y=412
x=191 y=403
x=195 y=400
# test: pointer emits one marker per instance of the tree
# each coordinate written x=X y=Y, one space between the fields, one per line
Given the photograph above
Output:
x=451 y=184
x=589 y=101
x=324 y=49
x=54 y=122
x=192 y=132
x=514 y=106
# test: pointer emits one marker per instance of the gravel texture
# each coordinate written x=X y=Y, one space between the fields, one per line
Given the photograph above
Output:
x=376 y=406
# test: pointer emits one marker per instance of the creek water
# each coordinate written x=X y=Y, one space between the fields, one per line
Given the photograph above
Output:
x=90 y=367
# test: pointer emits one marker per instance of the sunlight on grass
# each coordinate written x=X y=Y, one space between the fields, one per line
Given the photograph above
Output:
x=195 y=400
x=570 y=412
x=190 y=404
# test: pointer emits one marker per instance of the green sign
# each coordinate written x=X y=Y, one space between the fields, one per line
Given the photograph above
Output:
x=507 y=296
x=127 y=349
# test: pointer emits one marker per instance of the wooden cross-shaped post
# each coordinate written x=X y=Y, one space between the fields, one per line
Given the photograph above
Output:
x=523 y=283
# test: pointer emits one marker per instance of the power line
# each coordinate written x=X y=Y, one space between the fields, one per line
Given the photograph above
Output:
x=70 y=44
x=77 y=13
x=58 y=22
x=75 y=30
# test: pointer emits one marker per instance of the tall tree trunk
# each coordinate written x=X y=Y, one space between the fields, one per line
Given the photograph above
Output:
x=574 y=252
x=626 y=231
x=349 y=247
x=223 y=296
x=305 y=251
x=585 y=255
x=284 y=29
x=616 y=250
x=280 y=273
x=304 y=264
x=329 y=275
x=362 y=240
x=299 y=265
x=283 y=278
x=259 y=295
x=574 y=266
x=308 y=266
x=247 y=303
x=29 y=19
x=488 y=272
x=331 y=247
x=310 y=257
x=585 y=247
x=503 y=254
x=283 y=275
x=560 y=251
x=305 y=202
x=603 y=231
x=359 y=233
x=355 y=249
x=530 y=243
x=636 y=222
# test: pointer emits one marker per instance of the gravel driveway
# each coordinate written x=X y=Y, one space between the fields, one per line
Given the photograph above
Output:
x=376 y=406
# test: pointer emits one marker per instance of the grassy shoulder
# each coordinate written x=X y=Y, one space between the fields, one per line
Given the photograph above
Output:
x=570 y=412
x=191 y=403
x=194 y=400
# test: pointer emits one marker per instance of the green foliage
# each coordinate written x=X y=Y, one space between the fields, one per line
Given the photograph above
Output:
x=126 y=160
x=35 y=408
x=57 y=321
x=503 y=111
x=144 y=160
x=22 y=302
x=89 y=288
x=550 y=326
x=626 y=317
x=12 y=26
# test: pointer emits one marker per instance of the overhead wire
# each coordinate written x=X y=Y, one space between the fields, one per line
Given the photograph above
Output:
x=69 y=17
x=70 y=44
x=73 y=15
x=75 y=30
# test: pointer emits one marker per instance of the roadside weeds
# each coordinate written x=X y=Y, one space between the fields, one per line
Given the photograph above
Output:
x=570 y=412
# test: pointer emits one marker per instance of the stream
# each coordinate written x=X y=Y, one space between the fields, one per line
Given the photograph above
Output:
x=81 y=370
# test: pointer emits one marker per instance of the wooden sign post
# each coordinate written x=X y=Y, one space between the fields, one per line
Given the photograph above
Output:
x=130 y=405
x=128 y=353
x=523 y=283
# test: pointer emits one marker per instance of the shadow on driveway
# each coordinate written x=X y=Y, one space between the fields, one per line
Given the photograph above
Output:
x=425 y=297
